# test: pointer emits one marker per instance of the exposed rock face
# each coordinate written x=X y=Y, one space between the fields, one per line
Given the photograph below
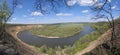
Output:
x=7 y=49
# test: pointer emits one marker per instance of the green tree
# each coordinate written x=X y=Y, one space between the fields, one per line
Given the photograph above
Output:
x=5 y=14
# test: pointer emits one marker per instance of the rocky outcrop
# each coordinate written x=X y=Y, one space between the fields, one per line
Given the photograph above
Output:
x=7 y=49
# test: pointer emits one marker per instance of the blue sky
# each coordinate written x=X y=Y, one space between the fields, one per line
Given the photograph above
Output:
x=79 y=11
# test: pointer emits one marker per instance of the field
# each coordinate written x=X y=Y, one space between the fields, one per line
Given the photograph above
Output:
x=58 y=30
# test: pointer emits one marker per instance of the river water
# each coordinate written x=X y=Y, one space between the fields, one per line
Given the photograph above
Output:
x=26 y=37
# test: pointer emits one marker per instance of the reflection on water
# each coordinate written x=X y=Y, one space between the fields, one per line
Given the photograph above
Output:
x=26 y=37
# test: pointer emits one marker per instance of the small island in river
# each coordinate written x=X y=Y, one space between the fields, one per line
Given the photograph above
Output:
x=57 y=30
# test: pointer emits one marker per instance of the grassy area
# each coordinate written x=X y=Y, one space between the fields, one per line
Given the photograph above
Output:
x=51 y=51
x=101 y=27
x=82 y=43
x=78 y=46
x=58 y=30
x=85 y=40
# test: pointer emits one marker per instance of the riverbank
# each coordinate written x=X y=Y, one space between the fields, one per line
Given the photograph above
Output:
x=102 y=39
x=21 y=47
x=108 y=46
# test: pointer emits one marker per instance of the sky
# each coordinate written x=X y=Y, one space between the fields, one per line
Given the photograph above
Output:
x=79 y=11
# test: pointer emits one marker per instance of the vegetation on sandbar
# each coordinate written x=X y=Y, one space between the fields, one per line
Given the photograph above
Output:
x=57 y=30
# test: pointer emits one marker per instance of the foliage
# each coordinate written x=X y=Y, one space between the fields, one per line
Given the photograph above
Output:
x=101 y=27
x=43 y=49
x=5 y=14
x=84 y=41
x=50 y=51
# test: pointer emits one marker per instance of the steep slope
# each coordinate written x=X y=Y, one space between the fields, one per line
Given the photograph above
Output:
x=105 y=37
x=108 y=47
x=21 y=47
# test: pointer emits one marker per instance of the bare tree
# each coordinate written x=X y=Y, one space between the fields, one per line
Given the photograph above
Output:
x=47 y=6
x=105 y=11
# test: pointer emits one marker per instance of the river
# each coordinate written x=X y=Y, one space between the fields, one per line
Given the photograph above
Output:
x=26 y=37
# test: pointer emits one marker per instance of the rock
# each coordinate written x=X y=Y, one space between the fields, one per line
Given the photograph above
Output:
x=7 y=49
x=10 y=51
x=2 y=47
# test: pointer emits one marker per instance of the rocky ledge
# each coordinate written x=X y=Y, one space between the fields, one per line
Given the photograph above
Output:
x=7 y=49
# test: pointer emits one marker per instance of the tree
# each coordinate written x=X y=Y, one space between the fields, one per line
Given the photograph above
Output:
x=5 y=14
x=4 y=17
x=105 y=11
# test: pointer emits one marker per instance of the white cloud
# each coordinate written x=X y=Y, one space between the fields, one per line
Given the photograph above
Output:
x=81 y=2
x=113 y=7
x=19 y=6
x=14 y=18
x=85 y=11
x=71 y=3
x=36 y=13
x=63 y=14
x=86 y=2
